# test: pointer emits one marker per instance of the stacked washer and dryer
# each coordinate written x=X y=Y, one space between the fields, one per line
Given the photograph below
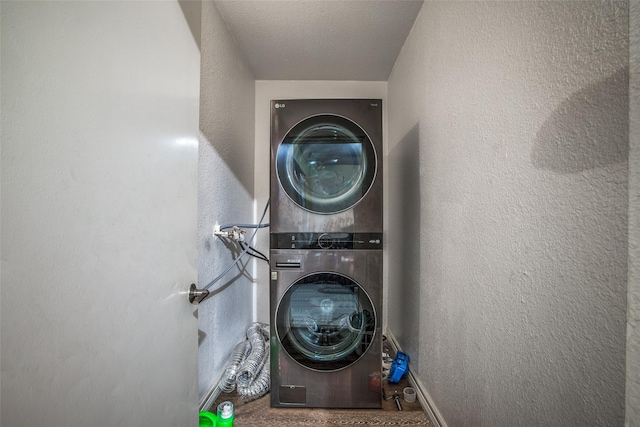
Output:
x=326 y=253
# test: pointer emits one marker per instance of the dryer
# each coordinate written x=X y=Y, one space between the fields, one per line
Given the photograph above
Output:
x=326 y=332
x=326 y=253
x=326 y=165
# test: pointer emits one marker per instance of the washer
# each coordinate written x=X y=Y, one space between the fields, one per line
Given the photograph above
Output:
x=326 y=333
x=326 y=165
x=326 y=253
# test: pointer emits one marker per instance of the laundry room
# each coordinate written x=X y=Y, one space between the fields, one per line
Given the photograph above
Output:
x=489 y=274
x=491 y=235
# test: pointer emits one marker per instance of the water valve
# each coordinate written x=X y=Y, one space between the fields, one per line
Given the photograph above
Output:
x=236 y=233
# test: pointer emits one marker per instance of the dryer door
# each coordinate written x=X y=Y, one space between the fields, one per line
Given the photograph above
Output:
x=325 y=321
x=326 y=164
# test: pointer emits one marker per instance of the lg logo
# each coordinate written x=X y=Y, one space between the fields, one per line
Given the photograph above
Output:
x=280 y=105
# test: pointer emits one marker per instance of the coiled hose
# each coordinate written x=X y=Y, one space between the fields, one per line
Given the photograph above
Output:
x=228 y=380
x=259 y=387
x=248 y=367
x=252 y=365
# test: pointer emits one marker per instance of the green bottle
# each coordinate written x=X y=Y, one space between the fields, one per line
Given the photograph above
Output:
x=208 y=419
x=225 y=414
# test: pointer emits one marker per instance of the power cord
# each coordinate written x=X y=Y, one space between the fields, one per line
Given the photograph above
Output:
x=254 y=252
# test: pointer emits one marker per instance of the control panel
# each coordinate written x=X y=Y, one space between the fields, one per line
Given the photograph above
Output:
x=326 y=241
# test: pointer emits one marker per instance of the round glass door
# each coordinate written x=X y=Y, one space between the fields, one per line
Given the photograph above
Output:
x=326 y=164
x=325 y=321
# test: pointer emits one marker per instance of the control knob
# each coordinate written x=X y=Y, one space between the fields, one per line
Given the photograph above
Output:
x=325 y=241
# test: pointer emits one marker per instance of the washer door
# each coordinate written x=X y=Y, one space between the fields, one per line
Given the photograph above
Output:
x=325 y=321
x=326 y=164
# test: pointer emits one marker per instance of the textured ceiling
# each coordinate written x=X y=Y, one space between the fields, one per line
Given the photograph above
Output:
x=320 y=39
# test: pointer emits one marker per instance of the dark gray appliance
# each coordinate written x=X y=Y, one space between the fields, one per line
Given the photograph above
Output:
x=326 y=253
x=326 y=332
x=326 y=165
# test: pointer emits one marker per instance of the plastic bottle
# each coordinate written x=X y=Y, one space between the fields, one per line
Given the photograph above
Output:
x=208 y=419
x=225 y=414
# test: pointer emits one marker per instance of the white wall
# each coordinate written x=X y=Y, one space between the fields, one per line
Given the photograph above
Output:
x=507 y=160
x=267 y=90
x=632 y=406
x=99 y=157
x=225 y=193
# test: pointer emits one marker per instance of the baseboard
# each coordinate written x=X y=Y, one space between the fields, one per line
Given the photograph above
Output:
x=421 y=392
x=210 y=397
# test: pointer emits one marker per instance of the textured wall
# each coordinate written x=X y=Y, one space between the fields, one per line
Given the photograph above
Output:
x=632 y=406
x=99 y=158
x=225 y=192
x=507 y=159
